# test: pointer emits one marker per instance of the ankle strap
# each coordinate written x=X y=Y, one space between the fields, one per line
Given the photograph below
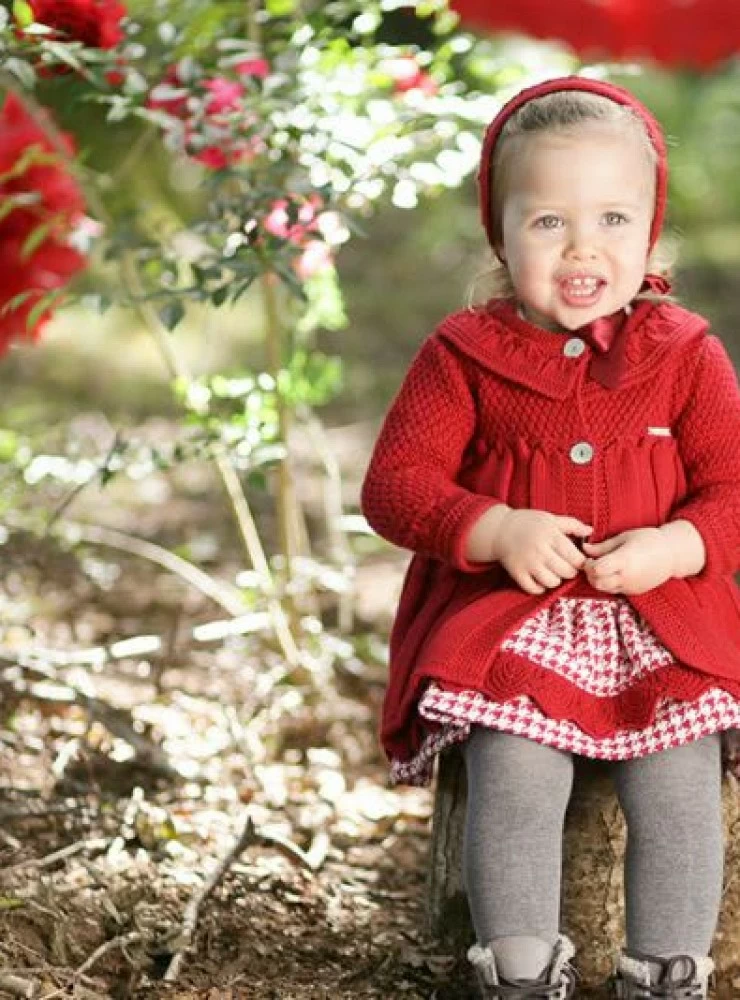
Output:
x=535 y=989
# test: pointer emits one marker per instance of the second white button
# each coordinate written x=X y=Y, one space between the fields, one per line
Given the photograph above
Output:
x=581 y=453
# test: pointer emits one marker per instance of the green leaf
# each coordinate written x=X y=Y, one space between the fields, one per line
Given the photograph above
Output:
x=12 y=304
x=280 y=8
x=220 y=295
x=22 y=70
x=64 y=54
x=10 y=903
x=23 y=13
x=171 y=313
x=44 y=303
x=36 y=237
x=9 y=445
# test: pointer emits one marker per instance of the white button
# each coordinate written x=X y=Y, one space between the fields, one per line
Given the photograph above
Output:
x=574 y=347
x=581 y=453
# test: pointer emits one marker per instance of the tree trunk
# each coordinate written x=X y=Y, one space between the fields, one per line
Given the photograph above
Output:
x=593 y=888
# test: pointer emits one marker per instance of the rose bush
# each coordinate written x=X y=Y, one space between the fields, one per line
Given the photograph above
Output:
x=42 y=205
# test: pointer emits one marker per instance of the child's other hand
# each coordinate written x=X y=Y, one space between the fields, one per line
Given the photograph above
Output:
x=534 y=548
x=629 y=563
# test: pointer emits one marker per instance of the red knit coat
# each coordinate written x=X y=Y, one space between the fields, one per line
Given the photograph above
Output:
x=494 y=409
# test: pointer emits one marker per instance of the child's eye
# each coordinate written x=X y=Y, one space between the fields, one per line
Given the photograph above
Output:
x=548 y=222
x=615 y=218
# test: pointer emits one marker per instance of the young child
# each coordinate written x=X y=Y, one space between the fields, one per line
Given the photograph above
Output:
x=564 y=463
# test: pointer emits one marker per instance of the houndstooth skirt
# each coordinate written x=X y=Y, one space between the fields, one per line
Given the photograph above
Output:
x=601 y=648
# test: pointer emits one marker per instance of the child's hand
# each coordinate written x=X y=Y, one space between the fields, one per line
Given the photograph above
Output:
x=631 y=562
x=533 y=546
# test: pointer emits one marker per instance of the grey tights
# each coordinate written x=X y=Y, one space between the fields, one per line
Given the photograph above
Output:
x=518 y=791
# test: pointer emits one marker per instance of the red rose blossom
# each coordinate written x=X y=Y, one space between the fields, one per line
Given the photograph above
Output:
x=96 y=23
x=35 y=254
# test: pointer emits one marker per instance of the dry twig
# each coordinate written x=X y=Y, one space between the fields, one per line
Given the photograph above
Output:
x=96 y=844
x=192 y=910
x=117 y=942
x=17 y=986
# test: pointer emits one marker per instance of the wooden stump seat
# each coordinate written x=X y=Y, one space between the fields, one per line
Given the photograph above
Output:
x=592 y=908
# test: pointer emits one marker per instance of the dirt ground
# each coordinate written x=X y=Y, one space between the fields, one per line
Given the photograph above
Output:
x=129 y=775
x=181 y=816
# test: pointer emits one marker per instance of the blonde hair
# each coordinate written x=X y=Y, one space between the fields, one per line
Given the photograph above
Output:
x=563 y=112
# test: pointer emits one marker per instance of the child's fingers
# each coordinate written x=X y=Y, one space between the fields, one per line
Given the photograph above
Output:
x=569 y=551
x=546 y=577
x=572 y=526
x=609 y=585
x=564 y=568
x=597 y=549
x=528 y=584
x=606 y=566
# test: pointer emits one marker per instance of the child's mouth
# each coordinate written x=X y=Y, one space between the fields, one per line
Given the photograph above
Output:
x=581 y=290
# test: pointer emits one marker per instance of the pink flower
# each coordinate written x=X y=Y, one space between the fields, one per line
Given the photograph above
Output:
x=212 y=157
x=160 y=98
x=316 y=257
x=225 y=95
x=278 y=222
x=408 y=75
x=259 y=68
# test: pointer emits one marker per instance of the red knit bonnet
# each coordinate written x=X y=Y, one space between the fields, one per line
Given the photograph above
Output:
x=609 y=90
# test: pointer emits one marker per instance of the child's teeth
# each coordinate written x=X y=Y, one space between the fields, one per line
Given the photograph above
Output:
x=582 y=286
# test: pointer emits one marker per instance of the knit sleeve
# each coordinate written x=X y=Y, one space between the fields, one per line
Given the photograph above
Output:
x=708 y=435
x=409 y=495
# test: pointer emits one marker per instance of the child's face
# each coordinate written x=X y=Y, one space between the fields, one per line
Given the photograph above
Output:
x=576 y=225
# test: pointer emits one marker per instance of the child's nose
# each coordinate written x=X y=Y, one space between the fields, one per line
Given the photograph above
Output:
x=581 y=249
x=581 y=241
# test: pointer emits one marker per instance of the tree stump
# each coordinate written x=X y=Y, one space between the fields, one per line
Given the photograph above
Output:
x=593 y=890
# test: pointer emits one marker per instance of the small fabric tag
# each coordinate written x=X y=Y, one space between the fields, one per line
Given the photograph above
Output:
x=660 y=432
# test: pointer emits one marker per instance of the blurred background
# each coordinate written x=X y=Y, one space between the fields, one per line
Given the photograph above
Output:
x=279 y=206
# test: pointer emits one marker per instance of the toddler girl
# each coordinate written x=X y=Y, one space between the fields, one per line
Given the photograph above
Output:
x=564 y=463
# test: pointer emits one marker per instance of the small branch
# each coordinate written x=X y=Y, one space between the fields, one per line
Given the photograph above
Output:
x=18 y=987
x=259 y=560
x=340 y=548
x=116 y=720
x=312 y=859
x=192 y=910
x=96 y=844
x=285 y=493
x=73 y=494
x=223 y=594
x=118 y=942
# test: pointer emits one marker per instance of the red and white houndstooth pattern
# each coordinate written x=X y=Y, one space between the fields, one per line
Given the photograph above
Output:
x=601 y=647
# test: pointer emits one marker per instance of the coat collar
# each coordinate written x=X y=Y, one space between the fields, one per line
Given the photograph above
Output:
x=496 y=337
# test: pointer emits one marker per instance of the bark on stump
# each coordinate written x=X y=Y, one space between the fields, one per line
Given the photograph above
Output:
x=593 y=900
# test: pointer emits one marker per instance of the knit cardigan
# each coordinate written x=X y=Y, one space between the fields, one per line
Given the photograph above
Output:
x=494 y=409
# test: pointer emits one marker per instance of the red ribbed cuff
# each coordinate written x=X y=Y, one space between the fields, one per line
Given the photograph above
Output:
x=719 y=558
x=455 y=526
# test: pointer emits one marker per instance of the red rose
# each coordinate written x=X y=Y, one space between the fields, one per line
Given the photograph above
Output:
x=35 y=255
x=47 y=269
x=97 y=23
